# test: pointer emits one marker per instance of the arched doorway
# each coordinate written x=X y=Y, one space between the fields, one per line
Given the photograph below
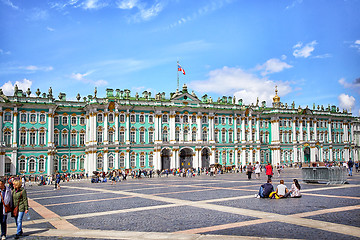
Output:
x=165 y=159
x=186 y=158
x=307 y=154
x=205 y=158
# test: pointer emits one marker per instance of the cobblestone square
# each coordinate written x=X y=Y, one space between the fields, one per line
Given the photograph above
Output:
x=202 y=207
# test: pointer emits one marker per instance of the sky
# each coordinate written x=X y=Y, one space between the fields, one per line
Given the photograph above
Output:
x=309 y=49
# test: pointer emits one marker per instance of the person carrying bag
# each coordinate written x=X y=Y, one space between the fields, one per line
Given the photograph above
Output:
x=21 y=202
x=5 y=206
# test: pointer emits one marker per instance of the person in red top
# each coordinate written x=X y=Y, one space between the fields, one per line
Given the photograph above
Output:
x=269 y=171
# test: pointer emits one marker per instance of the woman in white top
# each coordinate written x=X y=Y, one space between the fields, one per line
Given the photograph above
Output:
x=282 y=190
x=257 y=170
x=295 y=189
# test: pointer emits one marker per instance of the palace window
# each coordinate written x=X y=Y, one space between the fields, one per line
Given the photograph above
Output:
x=223 y=157
x=223 y=136
x=111 y=162
x=122 y=161
x=204 y=135
x=33 y=118
x=122 y=118
x=56 y=139
x=133 y=161
x=132 y=136
x=99 y=117
x=82 y=139
x=99 y=162
x=122 y=137
x=42 y=118
x=165 y=136
x=132 y=118
x=142 y=160
x=193 y=119
x=238 y=121
x=193 y=135
x=73 y=139
x=223 y=120
x=32 y=139
x=238 y=135
x=216 y=156
x=42 y=138
x=204 y=119
x=216 y=120
x=151 y=137
x=151 y=160
x=7 y=138
x=64 y=164
x=73 y=164
x=216 y=136
x=82 y=120
x=151 y=118
x=23 y=117
x=73 y=120
x=164 y=118
x=177 y=118
x=230 y=136
x=7 y=117
x=185 y=119
x=64 y=137
x=64 y=120
x=56 y=120
x=230 y=121
x=231 y=158
x=22 y=165
x=111 y=137
x=56 y=165
x=142 y=118
x=142 y=136
x=185 y=136
x=32 y=165
x=177 y=135
x=82 y=163
x=111 y=117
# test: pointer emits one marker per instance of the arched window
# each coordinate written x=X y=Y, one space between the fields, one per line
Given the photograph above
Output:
x=7 y=117
x=151 y=160
x=133 y=136
x=185 y=119
x=223 y=136
x=122 y=118
x=64 y=120
x=223 y=157
x=99 y=136
x=111 y=162
x=111 y=117
x=64 y=164
x=122 y=137
x=99 y=117
x=56 y=165
x=142 y=118
x=164 y=118
x=231 y=158
x=99 y=163
x=230 y=136
x=204 y=119
x=177 y=135
x=177 y=118
x=42 y=118
x=122 y=161
x=82 y=163
x=151 y=118
x=142 y=160
x=32 y=165
x=23 y=117
x=216 y=156
x=73 y=164
x=193 y=135
x=132 y=118
x=204 y=135
x=73 y=120
x=142 y=136
x=165 y=136
x=82 y=120
x=56 y=120
x=133 y=161
x=7 y=138
x=111 y=136
x=41 y=165
x=185 y=136
x=22 y=165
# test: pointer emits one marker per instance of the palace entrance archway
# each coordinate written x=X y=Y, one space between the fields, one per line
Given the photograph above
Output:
x=205 y=158
x=165 y=158
x=186 y=158
x=307 y=154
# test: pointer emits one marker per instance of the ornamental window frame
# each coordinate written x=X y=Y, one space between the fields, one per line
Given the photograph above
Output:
x=185 y=119
x=122 y=118
x=133 y=160
x=64 y=164
x=73 y=120
x=151 y=136
x=42 y=118
x=142 y=118
x=7 y=117
x=64 y=120
x=151 y=160
x=151 y=119
x=42 y=138
x=73 y=163
x=99 y=162
x=122 y=161
x=111 y=118
x=204 y=120
x=23 y=117
x=164 y=118
x=22 y=165
x=111 y=162
x=32 y=165
x=132 y=118
x=177 y=119
x=99 y=117
x=142 y=160
x=56 y=120
x=82 y=121
x=32 y=118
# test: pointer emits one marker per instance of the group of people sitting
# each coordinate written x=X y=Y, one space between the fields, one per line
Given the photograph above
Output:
x=267 y=190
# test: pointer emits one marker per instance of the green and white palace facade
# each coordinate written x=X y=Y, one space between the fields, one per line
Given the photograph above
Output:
x=43 y=135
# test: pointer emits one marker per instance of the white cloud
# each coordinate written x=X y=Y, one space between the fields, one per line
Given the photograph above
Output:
x=10 y=4
x=272 y=65
x=8 y=87
x=304 y=51
x=37 y=68
x=2 y=52
x=355 y=85
x=81 y=77
x=326 y=55
x=356 y=45
x=346 y=101
x=127 y=4
x=241 y=83
x=93 y=4
x=37 y=14
x=50 y=29
x=293 y=4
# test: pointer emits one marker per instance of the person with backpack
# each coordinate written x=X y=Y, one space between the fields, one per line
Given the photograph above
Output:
x=265 y=190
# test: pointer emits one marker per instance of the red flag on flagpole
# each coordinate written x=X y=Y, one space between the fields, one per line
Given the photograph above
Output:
x=180 y=69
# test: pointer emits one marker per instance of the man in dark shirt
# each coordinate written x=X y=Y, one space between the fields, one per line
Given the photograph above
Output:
x=265 y=190
x=350 y=165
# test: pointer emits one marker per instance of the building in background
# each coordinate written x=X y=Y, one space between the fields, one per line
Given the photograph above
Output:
x=41 y=135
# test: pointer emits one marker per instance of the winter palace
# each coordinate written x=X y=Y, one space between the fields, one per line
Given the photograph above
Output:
x=43 y=135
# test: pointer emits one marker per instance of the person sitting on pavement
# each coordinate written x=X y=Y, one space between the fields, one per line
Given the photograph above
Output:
x=281 y=191
x=265 y=190
x=295 y=189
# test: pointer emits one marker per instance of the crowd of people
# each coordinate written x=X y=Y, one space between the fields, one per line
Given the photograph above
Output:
x=14 y=201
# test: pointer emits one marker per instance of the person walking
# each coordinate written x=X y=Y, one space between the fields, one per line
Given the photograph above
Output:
x=257 y=170
x=350 y=165
x=5 y=206
x=269 y=171
x=249 y=170
x=20 y=199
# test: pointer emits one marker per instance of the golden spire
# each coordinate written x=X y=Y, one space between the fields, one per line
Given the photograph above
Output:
x=276 y=98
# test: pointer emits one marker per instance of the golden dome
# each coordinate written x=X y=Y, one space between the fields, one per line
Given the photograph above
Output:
x=276 y=98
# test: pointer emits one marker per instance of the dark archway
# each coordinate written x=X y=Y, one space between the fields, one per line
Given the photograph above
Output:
x=205 y=158
x=307 y=154
x=165 y=158
x=186 y=158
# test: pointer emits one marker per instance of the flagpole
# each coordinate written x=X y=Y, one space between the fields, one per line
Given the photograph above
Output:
x=177 y=70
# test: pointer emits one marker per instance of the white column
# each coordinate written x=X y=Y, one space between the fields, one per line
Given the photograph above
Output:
x=235 y=129
x=250 y=130
x=198 y=129
x=243 y=129
x=196 y=159
x=212 y=129
x=315 y=130
x=50 y=130
x=295 y=154
x=243 y=156
x=331 y=154
x=127 y=159
x=257 y=133
x=329 y=130
x=15 y=130
x=212 y=156
x=301 y=132
x=1 y=124
x=257 y=155
x=312 y=154
x=157 y=130
x=308 y=131
x=106 y=161
x=116 y=163
x=172 y=158
x=172 y=127
x=294 y=131
x=87 y=134
x=106 y=140
x=352 y=139
x=116 y=128
x=157 y=160
x=321 y=157
x=236 y=157
x=127 y=131
x=346 y=133
x=2 y=163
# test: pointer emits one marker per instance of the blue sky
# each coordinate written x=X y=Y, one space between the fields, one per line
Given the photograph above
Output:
x=310 y=49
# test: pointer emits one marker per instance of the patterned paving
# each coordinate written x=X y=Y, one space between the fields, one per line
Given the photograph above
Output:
x=221 y=207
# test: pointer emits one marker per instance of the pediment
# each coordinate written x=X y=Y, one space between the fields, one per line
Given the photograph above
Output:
x=185 y=97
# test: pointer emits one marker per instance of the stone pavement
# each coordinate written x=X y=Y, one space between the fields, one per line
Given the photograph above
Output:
x=203 y=207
